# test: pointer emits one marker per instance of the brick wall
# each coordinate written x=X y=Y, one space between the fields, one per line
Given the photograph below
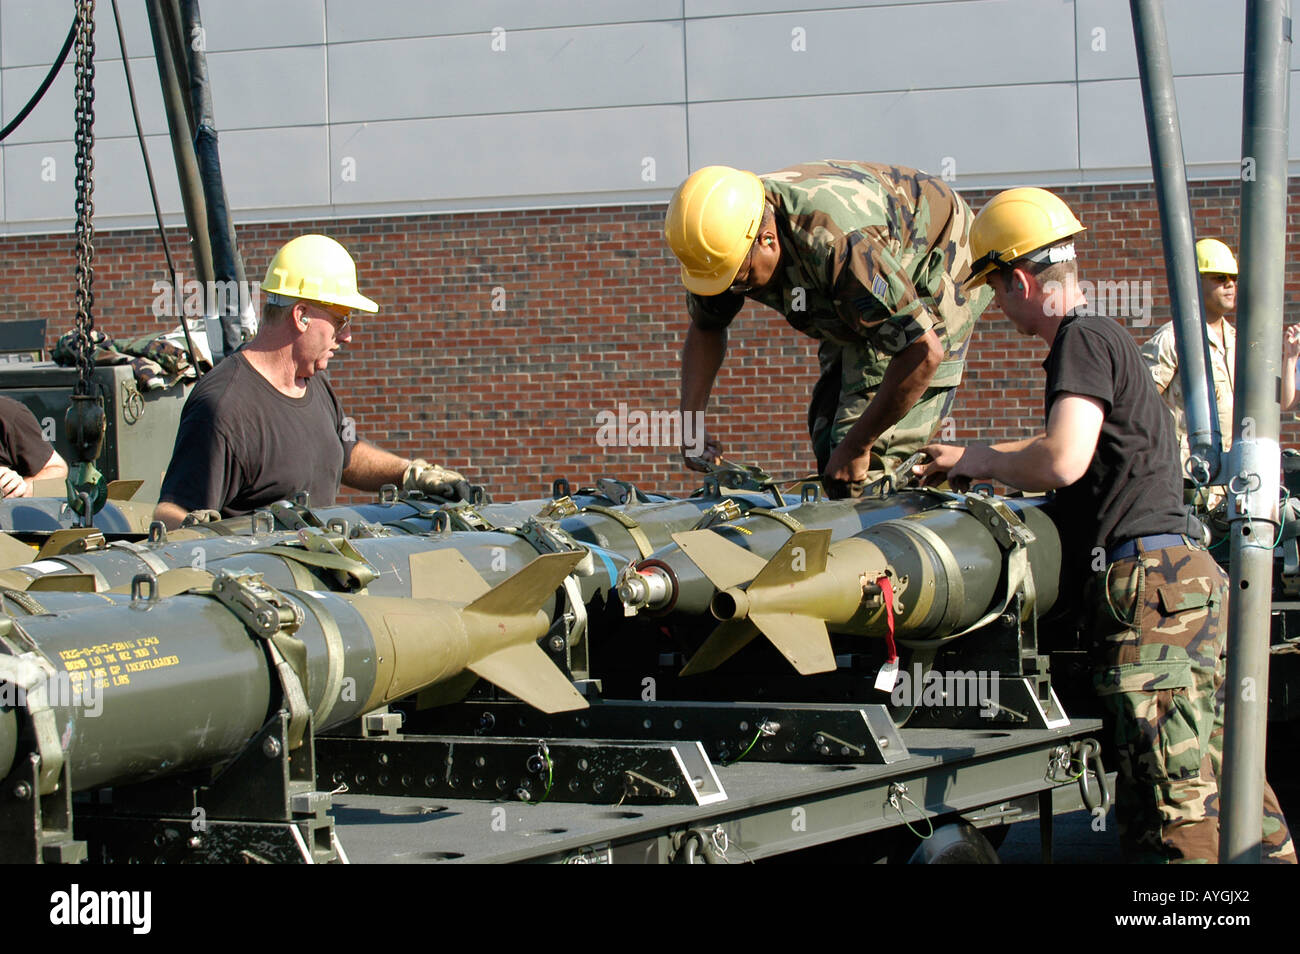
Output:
x=589 y=315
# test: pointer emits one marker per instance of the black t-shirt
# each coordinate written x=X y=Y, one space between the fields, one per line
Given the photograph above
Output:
x=1132 y=487
x=242 y=444
x=22 y=447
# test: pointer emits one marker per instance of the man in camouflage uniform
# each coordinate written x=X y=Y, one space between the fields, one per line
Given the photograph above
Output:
x=1156 y=606
x=1166 y=625
x=866 y=258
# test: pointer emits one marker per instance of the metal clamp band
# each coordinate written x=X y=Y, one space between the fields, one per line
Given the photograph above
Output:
x=1256 y=469
x=1008 y=529
x=360 y=574
x=1014 y=537
x=147 y=556
x=782 y=518
x=273 y=619
x=956 y=583
x=30 y=672
x=579 y=627
x=333 y=656
x=633 y=528
x=85 y=567
x=335 y=554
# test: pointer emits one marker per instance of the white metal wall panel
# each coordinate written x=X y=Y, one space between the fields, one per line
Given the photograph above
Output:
x=1205 y=36
x=31 y=195
x=120 y=185
x=254 y=89
x=570 y=152
x=32 y=31
x=723 y=8
x=121 y=188
x=1113 y=132
x=941 y=131
x=917 y=46
x=285 y=167
x=351 y=20
x=54 y=120
x=260 y=24
x=358 y=107
x=576 y=68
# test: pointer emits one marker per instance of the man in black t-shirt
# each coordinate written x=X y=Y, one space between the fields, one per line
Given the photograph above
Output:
x=1158 y=606
x=25 y=455
x=265 y=423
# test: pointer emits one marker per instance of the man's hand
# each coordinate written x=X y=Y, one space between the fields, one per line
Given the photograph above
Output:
x=711 y=455
x=12 y=484
x=171 y=514
x=702 y=356
x=196 y=517
x=906 y=379
x=846 y=472
x=1290 y=352
x=434 y=481
x=959 y=465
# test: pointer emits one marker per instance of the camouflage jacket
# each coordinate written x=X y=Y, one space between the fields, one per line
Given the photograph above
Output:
x=158 y=361
x=871 y=258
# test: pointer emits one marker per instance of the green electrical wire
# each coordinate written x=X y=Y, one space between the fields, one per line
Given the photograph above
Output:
x=757 y=735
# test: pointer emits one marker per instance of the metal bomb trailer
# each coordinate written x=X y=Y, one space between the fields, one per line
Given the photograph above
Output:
x=301 y=626
x=241 y=734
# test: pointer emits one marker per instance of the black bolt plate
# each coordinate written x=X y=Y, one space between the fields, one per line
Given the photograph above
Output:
x=592 y=771
x=805 y=733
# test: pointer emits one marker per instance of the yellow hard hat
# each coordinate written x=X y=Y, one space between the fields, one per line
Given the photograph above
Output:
x=1214 y=257
x=1015 y=224
x=317 y=268
x=711 y=225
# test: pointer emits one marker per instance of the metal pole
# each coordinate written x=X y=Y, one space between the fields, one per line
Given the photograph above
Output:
x=1170 y=175
x=187 y=169
x=153 y=188
x=227 y=266
x=1255 y=460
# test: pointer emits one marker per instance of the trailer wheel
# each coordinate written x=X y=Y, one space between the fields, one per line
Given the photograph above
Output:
x=958 y=843
x=996 y=835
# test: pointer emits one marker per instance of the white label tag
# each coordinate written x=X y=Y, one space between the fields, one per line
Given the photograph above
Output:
x=44 y=566
x=887 y=677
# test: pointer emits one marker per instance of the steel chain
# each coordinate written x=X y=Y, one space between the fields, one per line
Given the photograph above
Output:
x=85 y=187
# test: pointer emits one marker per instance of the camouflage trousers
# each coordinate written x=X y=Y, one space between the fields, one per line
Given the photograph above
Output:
x=1160 y=633
x=833 y=412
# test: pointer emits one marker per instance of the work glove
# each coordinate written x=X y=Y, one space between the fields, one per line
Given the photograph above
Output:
x=200 y=516
x=434 y=481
